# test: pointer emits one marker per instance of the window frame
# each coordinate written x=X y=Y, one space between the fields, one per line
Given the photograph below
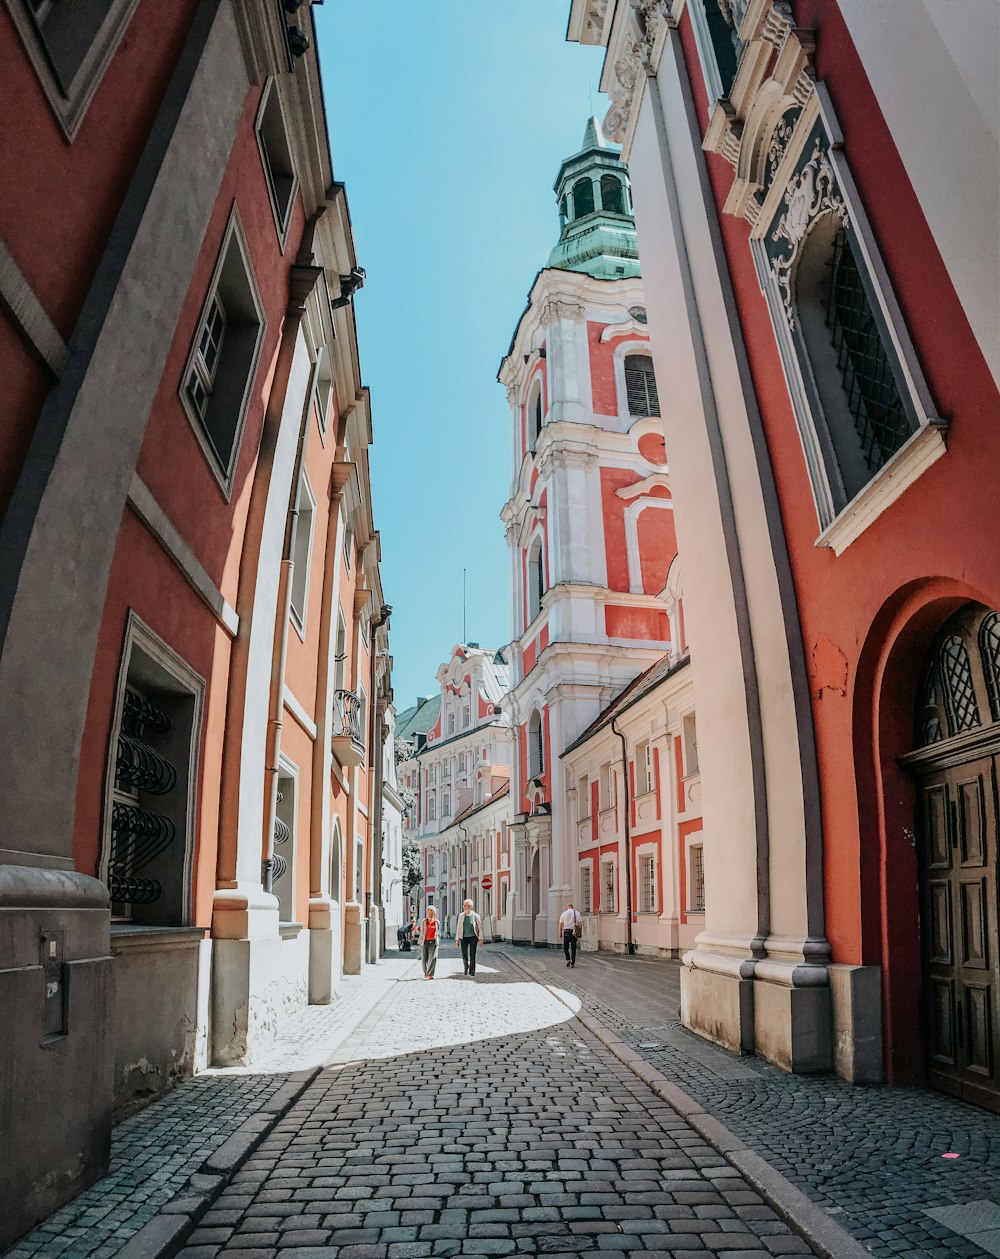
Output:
x=609 y=864
x=647 y=856
x=233 y=236
x=288 y=771
x=271 y=98
x=694 y=841
x=299 y=617
x=70 y=105
x=587 y=888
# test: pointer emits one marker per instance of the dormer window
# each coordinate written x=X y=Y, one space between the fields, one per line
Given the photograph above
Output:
x=640 y=386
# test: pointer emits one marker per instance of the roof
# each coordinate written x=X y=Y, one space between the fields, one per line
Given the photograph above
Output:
x=640 y=686
x=419 y=718
x=476 y=808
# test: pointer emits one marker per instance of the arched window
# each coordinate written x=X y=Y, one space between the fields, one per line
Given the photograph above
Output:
x=583 y=198
x=535 y=413
x=640 y=385
x=612 y=195
x=989 y=647
x=536 y=579
x=861 y=411
x=536 y=746
x=563 y=210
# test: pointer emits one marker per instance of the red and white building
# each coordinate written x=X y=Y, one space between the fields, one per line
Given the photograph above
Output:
x=193 y=638
x=454 y=761
x=596 y=584
x=816 y=194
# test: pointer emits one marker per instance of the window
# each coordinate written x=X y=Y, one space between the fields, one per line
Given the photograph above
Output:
x=466 y=716
x=223 y=360
x=431 y=808
x=451 y=723
x=607 y=787
x=70 y=44
x=461 y=762
x=722 y=17
x=322 y=389
x=504 y=841
x=340 y=652
x=689 y=738
x=272 y=140
x=696 y=860
x=536 y=579
x=149 y=805
x=644 y=767
x=586 y=890
x=349 y=546
x=282 y=873
x=647 y=884
x=362 y=717
x=503 y=898
x=640 y=385
x=612 y=195
x=536 y=746
x=583 y=798
x=583 y=198
x=302 y=549
x=848 y=367
x=535 y=417
x=445 y=803
x=607 y=887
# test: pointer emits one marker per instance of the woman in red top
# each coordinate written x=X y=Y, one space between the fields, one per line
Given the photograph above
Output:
x=429 y=942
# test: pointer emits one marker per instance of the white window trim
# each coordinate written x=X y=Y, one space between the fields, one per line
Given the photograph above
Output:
x=322 y=411
x=613 y=863
x=587 y=881
x=224 y=476
x=706 y=54
x=280 y=225
x=695 y=840
x=642 y=853
x=926 y=444
x=299 y=621
x=622 y=351
x=70 y=108
x=288 y=769
x=633 y=554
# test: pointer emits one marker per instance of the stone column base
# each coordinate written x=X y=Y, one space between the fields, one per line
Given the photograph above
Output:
x=56 y=1050
x=354 y=938
x=856 y=1004
x=718 y=1007
x=792 y=1026
x=325 y=929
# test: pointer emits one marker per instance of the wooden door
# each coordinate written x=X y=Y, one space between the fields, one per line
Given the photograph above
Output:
x=959 y=928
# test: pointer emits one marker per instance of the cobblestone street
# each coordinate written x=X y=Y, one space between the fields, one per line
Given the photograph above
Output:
x=481 y=1117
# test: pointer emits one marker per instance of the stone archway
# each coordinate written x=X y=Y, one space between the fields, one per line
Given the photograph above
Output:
x=956 y=766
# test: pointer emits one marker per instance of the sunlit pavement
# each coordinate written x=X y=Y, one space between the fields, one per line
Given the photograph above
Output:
x=477 y=1117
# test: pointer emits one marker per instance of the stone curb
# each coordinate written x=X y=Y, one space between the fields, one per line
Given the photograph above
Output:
x=810 y=1221
x=164 y=1235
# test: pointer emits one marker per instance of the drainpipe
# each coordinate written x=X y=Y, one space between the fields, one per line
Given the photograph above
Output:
x=630 y=946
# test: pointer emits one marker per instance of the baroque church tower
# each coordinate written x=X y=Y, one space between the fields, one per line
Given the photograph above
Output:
x=589 y=521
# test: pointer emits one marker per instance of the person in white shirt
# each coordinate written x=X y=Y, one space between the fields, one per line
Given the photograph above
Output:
x=568 y=921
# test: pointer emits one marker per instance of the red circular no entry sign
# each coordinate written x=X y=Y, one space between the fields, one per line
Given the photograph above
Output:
x=486 y=882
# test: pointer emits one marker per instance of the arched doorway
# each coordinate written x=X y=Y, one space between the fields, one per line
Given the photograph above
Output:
x=956 y=765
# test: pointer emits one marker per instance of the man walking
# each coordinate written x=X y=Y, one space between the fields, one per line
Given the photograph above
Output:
x=468 y=935
x=570 y=925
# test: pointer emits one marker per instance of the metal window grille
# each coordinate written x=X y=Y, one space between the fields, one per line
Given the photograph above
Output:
x=138 y=835
x=931 y=730
x=608 y=887
x=873 y=399
x=586 y=891
x=697 y=878
x=959 y=689
x=640 y=385
x=648 y=886
x=989 y=648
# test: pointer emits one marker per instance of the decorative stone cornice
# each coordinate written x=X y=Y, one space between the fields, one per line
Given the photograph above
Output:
x=753 y=128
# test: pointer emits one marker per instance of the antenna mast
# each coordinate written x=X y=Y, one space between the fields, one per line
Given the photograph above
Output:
x=464 y=630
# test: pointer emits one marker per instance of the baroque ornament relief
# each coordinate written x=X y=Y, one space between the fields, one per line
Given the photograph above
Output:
x=809 y=194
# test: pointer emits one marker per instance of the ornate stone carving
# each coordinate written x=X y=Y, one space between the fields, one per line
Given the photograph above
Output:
x=626 y=72
x=810 y=193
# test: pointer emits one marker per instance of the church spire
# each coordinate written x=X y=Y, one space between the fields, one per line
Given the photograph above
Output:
x=595 y=211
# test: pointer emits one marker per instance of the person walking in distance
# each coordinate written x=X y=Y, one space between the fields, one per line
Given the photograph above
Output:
x=429 y=942
x=468 y=935
x=571 y=926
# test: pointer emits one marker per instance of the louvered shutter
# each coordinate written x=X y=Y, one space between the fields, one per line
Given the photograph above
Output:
x=640 y=386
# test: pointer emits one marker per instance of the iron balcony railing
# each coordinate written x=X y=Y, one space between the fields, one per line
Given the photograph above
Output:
x=347 y=716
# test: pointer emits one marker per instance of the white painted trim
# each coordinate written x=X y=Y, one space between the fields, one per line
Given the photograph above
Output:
x=289 y=769
x=706 y=54
x=907 y=465
x=159 y=524
x=622 y=351
x=649 y=849
x=70 y=107
x=696 y=839
x=653 y=481
x=20 y=302
x=632 y=552
x=297 y=710
x=299 y=617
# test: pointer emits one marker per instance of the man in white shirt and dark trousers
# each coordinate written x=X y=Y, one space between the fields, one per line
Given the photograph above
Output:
x=569 y=920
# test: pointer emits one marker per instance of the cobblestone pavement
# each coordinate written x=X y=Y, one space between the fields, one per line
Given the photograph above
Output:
x=154 y=1151
x=476 y=1117
x=871 y=1157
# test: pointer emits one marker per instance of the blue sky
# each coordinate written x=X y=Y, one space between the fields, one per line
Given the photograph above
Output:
x=447 y=123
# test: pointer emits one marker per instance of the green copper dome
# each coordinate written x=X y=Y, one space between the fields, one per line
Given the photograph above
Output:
x=595 y=211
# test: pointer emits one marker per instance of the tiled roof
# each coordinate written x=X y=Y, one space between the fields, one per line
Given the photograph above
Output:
x=419 y=718
x=475 y=808
x=636 y=689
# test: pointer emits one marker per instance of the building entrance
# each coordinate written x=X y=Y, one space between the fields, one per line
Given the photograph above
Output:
x=958 y=772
